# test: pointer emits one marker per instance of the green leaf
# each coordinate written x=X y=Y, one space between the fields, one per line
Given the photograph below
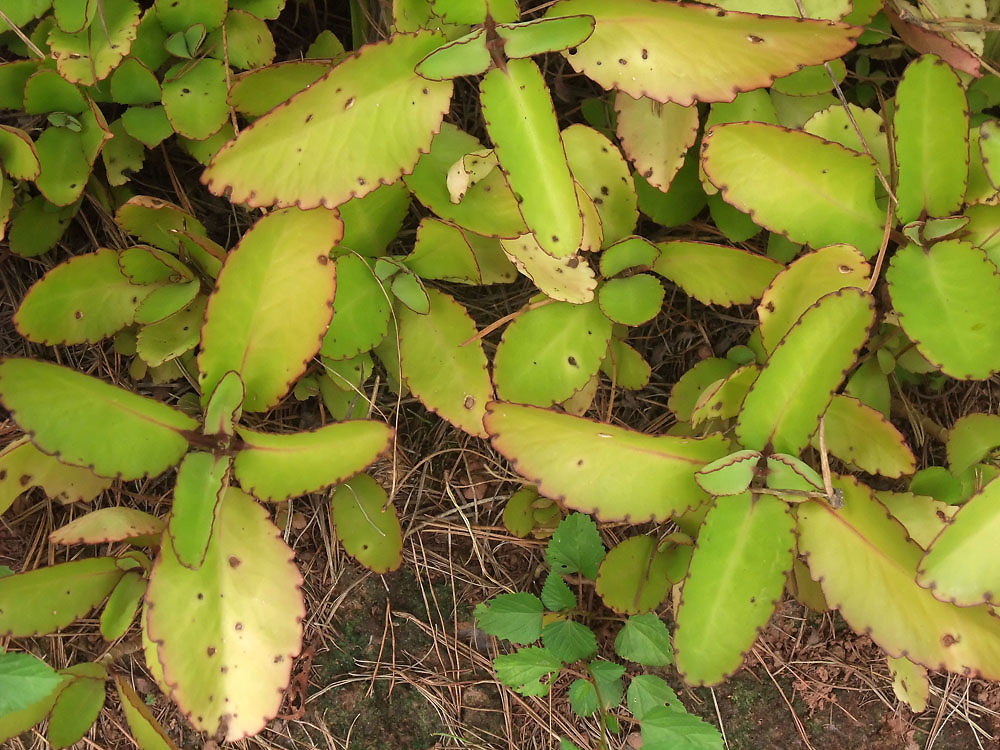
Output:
x=631 y=300
x=276 y=467
x=45 y=600
x=647 y=692
x=634 y=575
x=134 y=83
x=682 y=202
x=515 y=617
x=860 y=435
x=550 y=351
x=179 y=15
x=569 y=640
x=173 y=336
x=538 y=36
x=488 y=207
x=23 y=466
x=201 y=481
x=367 y=524
x=90 y=54
x=802 y=283
x=259 y=91
x=17 y=154
x=444 y=251
x=575 y=547
x=655 y=136
x=121 y=154
x=631 y=252
x=863 y=559
x=373 y=221
x=971 y=439
x=521 y=122
x=729 y=475
x=608 y=681
x=165 y=301
x=76 y=708
x=597 y=165
x=271 y=305
x=447 y=374
x=687 y=391
x=614 y=473
x=249 y=43
x=932 y=149
x=794 y=183
x=909 y=683
x=63 y=410
x=583 y=697
x=625 y=366
x=948 y=300
x=834 y=124
x=465 y=56
x=678 y=730
x=194 y=98
x=373 y=91
x=645 y=640
x=148 y=125
x=953 y=567
x=783 y=407
x=37 y=225
x=122 y=605
x=556 y=594
x=923 y=517
x=211 y=634
x=105 y=525
x=725 y=397
x=146 y=730
x=635 y=41
x=24 y=681
x=525 y=669
x=716 y=274
x=15 y=723
x=744 y=551
x=360 y=311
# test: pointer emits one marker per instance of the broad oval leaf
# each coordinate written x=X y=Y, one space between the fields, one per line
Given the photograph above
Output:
x=83 y=300
x=17 y=154
x=716 y=274
x=634 y=576
x=730 y=475
x=226 y=656
x=367 y=524
x=521 y=121
x=860 y=435
x=466 y=56
x=811 y=190
x=271 y=305
x=948 y=300
x=361 y=311
x=636 y=40
x=23 y=466
x=687 y=392
x=331 y=122
x=542 y=35
x=867 y=565
x=89 y=55
x=802 y=283
x=225 y=405
x=105 y=525
x=24 y=681
x=631 y=300
x=783 y=407
x=44 y=600
x=744 y=550
x=63 y=410
x=610 y=472
x=77 y=706
x=488 y=207
x=275 y=467
x=550 y=351
x=443 y=363
x=971 y=439
x=122 y=605
x=957 y=567
x=194 y=99
x=923 y=517
x=655 y=136
x=932 y=147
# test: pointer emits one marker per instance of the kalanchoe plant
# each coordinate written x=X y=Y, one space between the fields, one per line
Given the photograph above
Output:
x=221 y=656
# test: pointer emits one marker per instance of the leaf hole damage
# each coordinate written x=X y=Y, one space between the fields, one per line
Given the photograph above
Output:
x=754 y=39
x=470 y=402
x=349 y=103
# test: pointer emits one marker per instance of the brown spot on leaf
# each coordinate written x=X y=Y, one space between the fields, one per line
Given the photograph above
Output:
x=234 y=561
x=349 y=103
x=470 y=402
x=948 y=640
x=78 y=315
x=309 y=117
x=322 y=260
x=24 y=479
x=754 y=39
x=210 y=651
x=239 y=626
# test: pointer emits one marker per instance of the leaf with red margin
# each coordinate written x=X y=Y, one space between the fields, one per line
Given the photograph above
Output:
x=318 y=147
x=610 y=472
x=634 y=41
x=271 y=306
x=867 y=567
